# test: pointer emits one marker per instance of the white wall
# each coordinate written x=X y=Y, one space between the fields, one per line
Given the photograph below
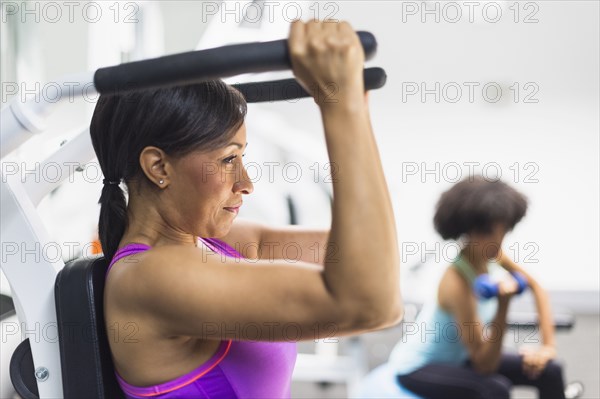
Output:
x=554 y=141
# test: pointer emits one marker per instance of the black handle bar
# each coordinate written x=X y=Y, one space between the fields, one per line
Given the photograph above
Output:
x=203 y=65
x=288 y=89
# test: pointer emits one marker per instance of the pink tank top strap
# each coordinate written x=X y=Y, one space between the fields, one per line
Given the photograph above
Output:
x=127 y=250
x=220 y=247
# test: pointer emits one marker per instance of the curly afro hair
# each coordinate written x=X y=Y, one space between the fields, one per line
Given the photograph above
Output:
x=477 y=204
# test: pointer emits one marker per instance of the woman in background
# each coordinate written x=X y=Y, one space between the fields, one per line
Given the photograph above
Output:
x=457 y=350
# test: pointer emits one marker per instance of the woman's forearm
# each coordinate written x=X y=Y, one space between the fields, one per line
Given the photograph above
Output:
x=491 y=350
x=545 y=319
x=364 y=273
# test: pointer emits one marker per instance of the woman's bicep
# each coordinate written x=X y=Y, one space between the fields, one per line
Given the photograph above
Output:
x=459 y=302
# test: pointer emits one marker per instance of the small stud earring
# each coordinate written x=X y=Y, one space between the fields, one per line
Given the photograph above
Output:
x=161 y=181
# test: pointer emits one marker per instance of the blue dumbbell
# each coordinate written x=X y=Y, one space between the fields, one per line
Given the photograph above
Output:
x=484 y=287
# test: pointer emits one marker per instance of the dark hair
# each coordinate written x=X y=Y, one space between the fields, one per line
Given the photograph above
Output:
x=476 y=204
x=178 y=120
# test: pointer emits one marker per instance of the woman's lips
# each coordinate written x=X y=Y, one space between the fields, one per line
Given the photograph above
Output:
x=233 y=209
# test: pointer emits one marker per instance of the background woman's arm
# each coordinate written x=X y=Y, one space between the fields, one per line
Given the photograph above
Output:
x=482 y=341
x=545 y=319
x=534 y=361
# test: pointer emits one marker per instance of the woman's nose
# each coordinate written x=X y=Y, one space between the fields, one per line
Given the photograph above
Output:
x=244 y=184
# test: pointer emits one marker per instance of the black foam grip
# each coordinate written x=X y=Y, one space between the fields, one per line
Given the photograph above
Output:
x=203 y=65
x=288 y=89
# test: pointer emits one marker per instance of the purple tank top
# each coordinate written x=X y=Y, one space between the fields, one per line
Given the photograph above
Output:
x=238 y=369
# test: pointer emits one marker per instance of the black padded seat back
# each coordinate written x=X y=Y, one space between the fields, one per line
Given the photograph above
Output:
x=86 y=362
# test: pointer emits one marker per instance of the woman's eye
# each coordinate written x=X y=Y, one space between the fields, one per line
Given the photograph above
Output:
x=230 y=159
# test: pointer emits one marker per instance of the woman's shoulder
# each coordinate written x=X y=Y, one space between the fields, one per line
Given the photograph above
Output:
x=135 y=264
x=453 y=288
x=452 y=279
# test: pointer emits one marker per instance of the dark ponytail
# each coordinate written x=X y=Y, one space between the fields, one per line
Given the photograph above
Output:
x=178 y=120
x=113 y=218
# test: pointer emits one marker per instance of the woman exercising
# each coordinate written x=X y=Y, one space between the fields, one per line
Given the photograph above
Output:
x=188 y=315
x=457 y=349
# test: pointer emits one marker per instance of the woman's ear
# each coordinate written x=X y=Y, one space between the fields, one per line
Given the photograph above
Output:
x=155 y=165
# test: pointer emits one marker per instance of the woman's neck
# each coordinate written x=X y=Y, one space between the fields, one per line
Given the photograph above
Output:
x=147 y=225
x=475 y=258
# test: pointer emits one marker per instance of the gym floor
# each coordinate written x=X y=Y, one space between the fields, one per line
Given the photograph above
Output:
x=578 y=350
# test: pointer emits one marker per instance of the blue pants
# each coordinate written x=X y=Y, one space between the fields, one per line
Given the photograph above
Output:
x=444 y=381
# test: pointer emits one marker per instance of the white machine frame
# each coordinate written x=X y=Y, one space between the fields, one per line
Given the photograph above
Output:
x=30 y=275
